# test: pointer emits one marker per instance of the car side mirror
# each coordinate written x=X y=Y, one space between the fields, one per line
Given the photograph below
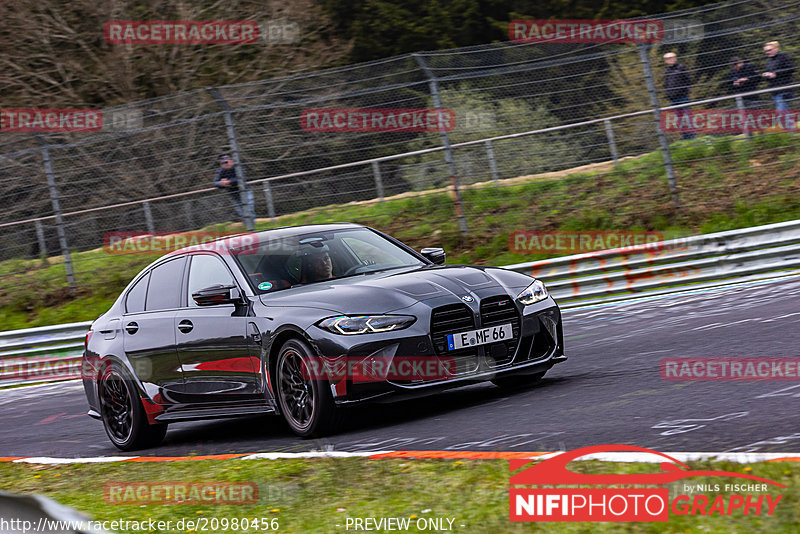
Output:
x=436 y=255
x=217 y=294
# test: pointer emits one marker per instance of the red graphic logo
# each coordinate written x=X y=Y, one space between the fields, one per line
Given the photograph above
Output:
x=623 y=504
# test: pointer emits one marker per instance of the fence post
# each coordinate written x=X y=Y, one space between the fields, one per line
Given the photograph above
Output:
x=741 y=108
x=612 y=144
x=492 y=164
x=448 y=150
x=187 y=212
x=62 y=236
x=148 y=218
x=270 y=202
x=662 y=137
x=249 y=223
x=376 y=172
x=40 y=239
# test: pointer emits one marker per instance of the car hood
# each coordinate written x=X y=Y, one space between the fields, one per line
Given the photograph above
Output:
x=393 y=290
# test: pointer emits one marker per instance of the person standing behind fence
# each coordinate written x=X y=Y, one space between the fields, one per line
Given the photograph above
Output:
x=778 y=72
x=743 y=78
x=677 y=83
x=226 y=179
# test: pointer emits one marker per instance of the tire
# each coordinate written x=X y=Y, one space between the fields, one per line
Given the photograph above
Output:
x=305 y=401
x=518 y=381
x=123 y=415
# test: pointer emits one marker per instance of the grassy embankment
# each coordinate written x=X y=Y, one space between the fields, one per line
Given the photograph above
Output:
x=316 y=495
x=724 y=183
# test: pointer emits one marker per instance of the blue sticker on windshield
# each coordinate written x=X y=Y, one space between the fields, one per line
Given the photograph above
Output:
x=265 y=286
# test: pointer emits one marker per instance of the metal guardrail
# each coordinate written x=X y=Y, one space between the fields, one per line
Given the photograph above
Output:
x=42 y=354
x=54 y=352
x=669 y=266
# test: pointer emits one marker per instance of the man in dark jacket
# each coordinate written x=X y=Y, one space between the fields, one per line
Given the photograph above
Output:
x=676 y=84
x=778 y=72
x=226 y=179
x=743 y=78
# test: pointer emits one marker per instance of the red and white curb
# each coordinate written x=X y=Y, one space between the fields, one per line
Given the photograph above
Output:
x=624 y=457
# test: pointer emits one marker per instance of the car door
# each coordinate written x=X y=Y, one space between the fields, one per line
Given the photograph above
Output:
x=217 y=353
x=148 y=329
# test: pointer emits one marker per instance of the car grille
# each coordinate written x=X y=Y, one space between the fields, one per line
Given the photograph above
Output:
x=450 y=320
x=496 y=311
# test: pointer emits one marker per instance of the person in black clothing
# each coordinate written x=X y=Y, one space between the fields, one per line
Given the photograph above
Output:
x=226 y=179
x=676 y=84
x=744 y=78
x=778 y=72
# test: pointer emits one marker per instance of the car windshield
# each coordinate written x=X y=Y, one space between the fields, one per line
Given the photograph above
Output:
x=321 y=256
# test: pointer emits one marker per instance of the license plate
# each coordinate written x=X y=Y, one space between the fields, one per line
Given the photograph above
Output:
x=482 y=336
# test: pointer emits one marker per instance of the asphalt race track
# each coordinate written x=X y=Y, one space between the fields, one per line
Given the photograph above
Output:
x=609 y=391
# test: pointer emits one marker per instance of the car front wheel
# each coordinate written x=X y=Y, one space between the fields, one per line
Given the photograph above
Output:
x=123 y=415
x=305 y=399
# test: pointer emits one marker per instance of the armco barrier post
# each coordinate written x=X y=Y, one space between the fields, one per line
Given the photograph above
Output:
x=741 y=107
x=40 y=239
x=148 y=218
x=448 y=150
x=249 y=216
x=270 y=202
x=62 y=236
x=376 y=173
x=492 y=162
x=612 y=144
x=662 y=137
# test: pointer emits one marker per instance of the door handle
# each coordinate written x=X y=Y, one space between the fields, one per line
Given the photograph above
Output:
x=131 y=328
x=185 y=326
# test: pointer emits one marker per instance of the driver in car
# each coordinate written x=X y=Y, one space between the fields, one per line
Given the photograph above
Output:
x=317 y=266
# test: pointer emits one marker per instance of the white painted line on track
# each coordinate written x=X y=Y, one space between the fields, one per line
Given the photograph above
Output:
x=624 y=457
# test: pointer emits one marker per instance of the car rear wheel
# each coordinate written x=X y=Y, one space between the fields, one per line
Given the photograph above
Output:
x=305 y=400
x=518 y=381
x=123 y=415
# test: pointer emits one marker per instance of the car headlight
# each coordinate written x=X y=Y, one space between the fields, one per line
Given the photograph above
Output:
x=366 y=324
x=533 y=293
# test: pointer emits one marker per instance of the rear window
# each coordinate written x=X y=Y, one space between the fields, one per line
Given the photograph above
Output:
x=163 y=293
x=134 y=302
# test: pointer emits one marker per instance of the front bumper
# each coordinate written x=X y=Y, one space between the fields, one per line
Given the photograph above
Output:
x=538 y=346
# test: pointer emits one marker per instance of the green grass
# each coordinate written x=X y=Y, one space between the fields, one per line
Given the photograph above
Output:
x=724 y=183
x=316 y=495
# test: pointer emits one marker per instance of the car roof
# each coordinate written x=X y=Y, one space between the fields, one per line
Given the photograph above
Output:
x=272 y=233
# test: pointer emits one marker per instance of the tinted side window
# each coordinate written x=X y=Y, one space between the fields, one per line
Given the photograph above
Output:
x=207 y=271
x=134 y=302
x=163 y=293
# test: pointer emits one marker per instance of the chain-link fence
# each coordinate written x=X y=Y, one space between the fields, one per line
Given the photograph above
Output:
x=63 y=192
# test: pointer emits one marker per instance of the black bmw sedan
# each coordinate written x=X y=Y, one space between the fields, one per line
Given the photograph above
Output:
x=303 y=321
